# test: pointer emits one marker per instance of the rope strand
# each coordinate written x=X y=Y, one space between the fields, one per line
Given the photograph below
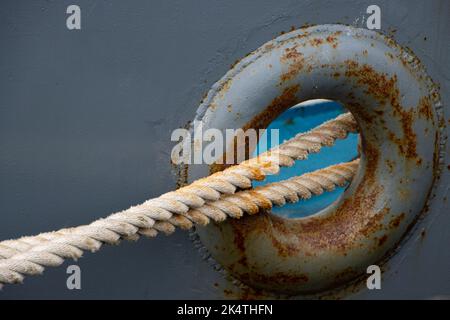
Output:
x=208 y=198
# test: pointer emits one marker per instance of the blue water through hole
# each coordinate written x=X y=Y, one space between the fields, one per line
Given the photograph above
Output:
x=301 y=118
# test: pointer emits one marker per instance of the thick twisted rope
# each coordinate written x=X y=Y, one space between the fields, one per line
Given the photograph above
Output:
x=196 y=203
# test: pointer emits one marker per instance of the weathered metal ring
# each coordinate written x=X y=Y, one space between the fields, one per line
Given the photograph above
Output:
x=396 y=106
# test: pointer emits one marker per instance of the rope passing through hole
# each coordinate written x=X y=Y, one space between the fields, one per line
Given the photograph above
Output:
x=210 y=198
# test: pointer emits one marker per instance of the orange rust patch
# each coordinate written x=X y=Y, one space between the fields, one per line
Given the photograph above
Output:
x=385 y=89
x=239 y=232
x=355 y=219
x=182 y=176
x=382 y=240
x=291 y=54
x=436 y=156
x=389 y=55
x=360 y=111
x=295 y=61
x=375 y=223
x=260 y=121
x=225 y=87
x=251 y=293
x=394 y=223
x=373 y=155
x=340 y=230
x=332 y=40
x=234 y=63
x=407 y=145
x=315 y=42
x=263 y=202
x=380 y=86
x=287 y=99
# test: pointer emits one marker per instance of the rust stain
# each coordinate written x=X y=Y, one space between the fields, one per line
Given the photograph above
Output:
x=375 y=223
x=394 y=223
x=287 y=99
x=226 y=86
x=425 y=109
x=280 y=278
x=382 y=240
x=423 y=234
x=355 y=219
x=409 y=141
x=347 y=273
x=289 y=122
x=360 y=111
x=390 y=56
x=392 y=31
x=332 y=40
x=295 y=62
x=358 y=217
x=181 y=171
x=436 y=156
x=235 y=63
x=315 y=42
x=269 y=46
x=246 y=293
x=391 y=165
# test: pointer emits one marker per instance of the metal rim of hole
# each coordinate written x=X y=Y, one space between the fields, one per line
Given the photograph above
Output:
x=398 y=109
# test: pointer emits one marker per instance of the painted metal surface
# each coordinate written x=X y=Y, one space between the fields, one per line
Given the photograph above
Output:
x=397 y=107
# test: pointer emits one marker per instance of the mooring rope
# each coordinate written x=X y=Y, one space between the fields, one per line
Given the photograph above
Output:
x=213 y=197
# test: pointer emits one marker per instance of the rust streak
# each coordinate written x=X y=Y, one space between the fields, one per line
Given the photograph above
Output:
x=385 y=89
x=295 y=62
